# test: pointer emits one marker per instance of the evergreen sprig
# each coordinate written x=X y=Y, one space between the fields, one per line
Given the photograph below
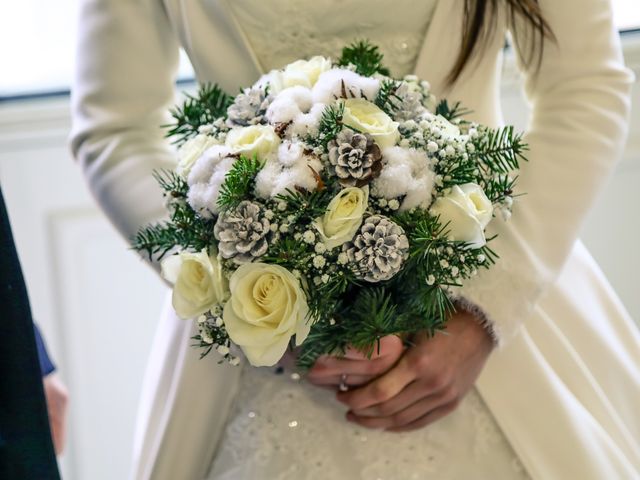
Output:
x=209 y=104
x=365 y=57
x=330 y=124
x=372 y=315
x=184 y=228
x=451 y=112
x=387 y=96
x=305 y=205
x=499 y=150
x=238 y=182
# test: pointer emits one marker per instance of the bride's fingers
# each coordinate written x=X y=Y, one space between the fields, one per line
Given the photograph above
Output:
x=419 y=411
x=380 y=390
x=427 y=419
x=327 y=366
x=389 y=346
x=335 y=380
x=412 y=393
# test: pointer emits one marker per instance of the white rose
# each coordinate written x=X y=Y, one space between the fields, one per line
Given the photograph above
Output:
x=467 y=210
x=198 y=282
x=343 y=216
x=305 y=72
x=191 y=151
x=447 y=129
x=258 y=140
x=366 y=117
x=267 y=307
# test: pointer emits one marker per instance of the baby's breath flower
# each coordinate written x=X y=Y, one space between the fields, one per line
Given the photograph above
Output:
x=320 y=248
x=308 y=236
x=319 y=261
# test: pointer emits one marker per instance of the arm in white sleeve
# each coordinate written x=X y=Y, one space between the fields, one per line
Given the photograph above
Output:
x=127 y=60
x=580 y=106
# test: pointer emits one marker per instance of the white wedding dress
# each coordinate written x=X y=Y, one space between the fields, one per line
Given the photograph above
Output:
x=283 y=428
x=564 y=386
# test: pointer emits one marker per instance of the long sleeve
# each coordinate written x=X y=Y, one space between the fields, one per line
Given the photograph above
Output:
x=580 y=106
x=127 y=59
x=46 y=365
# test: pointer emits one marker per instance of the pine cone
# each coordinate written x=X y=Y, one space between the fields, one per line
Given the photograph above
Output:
x=248 y=108
x=355 y=157
x=408 y=104
x=243 y=233
x=378 y=250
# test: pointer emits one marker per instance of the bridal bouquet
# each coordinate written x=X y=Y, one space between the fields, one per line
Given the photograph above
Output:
x=327 y=205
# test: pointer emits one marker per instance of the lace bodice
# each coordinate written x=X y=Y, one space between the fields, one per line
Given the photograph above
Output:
x=282 y=31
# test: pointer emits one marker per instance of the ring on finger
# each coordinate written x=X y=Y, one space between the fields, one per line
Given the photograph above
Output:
x=343 y=387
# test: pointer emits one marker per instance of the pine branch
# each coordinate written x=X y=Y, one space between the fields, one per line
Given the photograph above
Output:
x=171 y=183
x=499 y=150
x=209 y=104
x=330 y=124
x=386 y=96
x=451 y=112
x=306 y=205
x=372 y=315
x=238 y=182
x=156 y=240
x=365 y=57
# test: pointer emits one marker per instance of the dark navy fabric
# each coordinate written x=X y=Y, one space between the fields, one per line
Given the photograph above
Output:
x=26 y=448
x=46 y=365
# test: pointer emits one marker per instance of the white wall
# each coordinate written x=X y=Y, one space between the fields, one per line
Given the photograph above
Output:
x=98 y=304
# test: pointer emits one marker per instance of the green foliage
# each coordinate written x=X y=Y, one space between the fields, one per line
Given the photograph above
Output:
x=238 y=182
x=306 y=206
x=209 y=104
x=387 y=95
x=184 y=229
x=366 y=58
x=330 y=124
x=372 y=315
x=451 y=112
x=289 y=253
x=499 y=150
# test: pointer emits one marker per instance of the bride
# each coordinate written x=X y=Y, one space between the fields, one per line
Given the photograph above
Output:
x=536 y=376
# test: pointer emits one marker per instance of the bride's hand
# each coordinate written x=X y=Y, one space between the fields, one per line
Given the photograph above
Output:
x=354 y=368
x=428 y=381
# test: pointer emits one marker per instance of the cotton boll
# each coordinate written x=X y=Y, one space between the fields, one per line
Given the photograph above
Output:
x=266 y=179
x=288 y=104
x=407 y=172
x=306 y=124
x=273 y=79
x=393 y=181
x=315 y=163
x=290 y=153
x=329 y=86
x=205 y=179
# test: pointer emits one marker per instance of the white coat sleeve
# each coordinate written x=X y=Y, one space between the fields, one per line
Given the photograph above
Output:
x=580 y=105
x=127 y=59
